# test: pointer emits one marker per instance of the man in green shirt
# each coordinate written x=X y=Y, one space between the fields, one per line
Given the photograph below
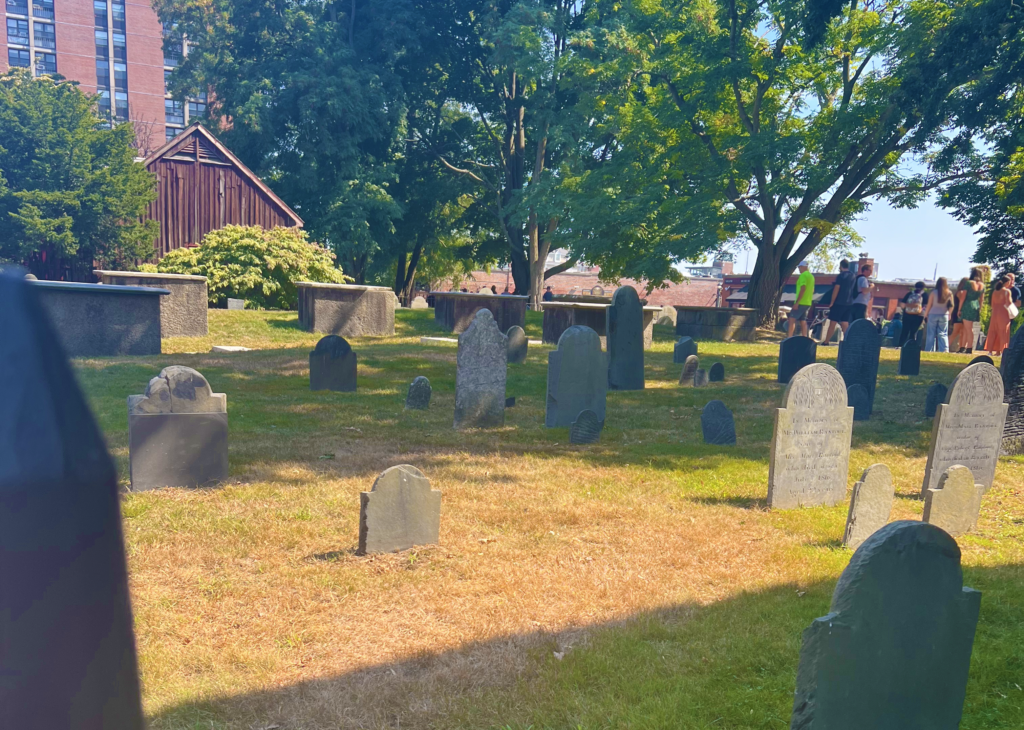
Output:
x=804 y=300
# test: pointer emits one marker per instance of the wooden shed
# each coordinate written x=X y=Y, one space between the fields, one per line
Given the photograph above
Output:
x=201 y=187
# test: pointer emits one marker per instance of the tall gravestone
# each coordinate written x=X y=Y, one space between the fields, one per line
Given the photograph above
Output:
x=895 y=649
x=683 y=348
x=910 y=359
x=717 y=425
x=795 y=353
x=870 y=505
x=577 y=377
x=689 y=370
x=1012 y=371
x=810 y=452
x=518 y=345
x=480 y=374
x=955 y=503
x=332 y=365
x=625 y=334
x=67 y=648
x=936 y=394
x=717 y=373
x=418 y=396
x=399 y=512
x=858 y=357
x=968 y=426
x=857 y=398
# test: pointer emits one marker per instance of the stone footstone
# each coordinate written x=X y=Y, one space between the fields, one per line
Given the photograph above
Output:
x=586 y=429
x=810 y=452
x=858 y=358
x=717 y=425
x=399 y=512
x=518 y=345
x=895 y=649
x=1012 y=371
x=624 y=330
x=795 y=353
x=481 y=371
x=700 y=378
x=418 y=397
x=910 y=359
x=510 y=402
x=224 y=349
x=332 y=365
x=857 y=397
x=577 y=377
x=870 y=505
x=717 y=373
x=936 y=394
x=955 y=503
x=689 y=370
x=683 y=348
x=981 y=358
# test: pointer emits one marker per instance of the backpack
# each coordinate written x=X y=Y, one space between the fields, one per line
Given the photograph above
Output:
x=914 y=303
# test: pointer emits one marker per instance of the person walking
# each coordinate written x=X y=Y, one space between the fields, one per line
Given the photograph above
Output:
x=936 y=316
x=548 y=295
x=1014 y=289
x=804 y=300
x=912 y=305
x=970 y=310
x=1002 y=314
x=842 y=300
x=954 y=317
x=864 y=293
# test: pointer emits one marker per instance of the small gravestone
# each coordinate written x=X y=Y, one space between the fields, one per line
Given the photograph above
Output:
x=517 y=345
x=920 y=338
x=895 y=649
x=689 y=370
x=683 y=349
x=700 y=378
x=510 y=402
x=717 y=373
x=910 y=359
x=67 y=648
x=810 y=452
x=236 y=304
x=936 y=394
x=667 y=316
x=968 y=427
x=1012 y=372
x=857 y=398
x=717 y=425
x=419 y=303
x=177 y=432
x=480 y=374
x=332 y=365
x=795 y=353
x=955 y=503
x=577 y=377
x=870 y=505
x=418 y=397
x=399 y=511
x=624 y=325
x=586 y=429
x=981 y=358
x=858 y=358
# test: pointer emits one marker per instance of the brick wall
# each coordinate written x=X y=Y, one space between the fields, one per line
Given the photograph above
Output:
x=145 y=71
x=76 y=42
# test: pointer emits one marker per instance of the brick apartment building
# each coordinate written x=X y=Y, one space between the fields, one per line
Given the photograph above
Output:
x=113 y=48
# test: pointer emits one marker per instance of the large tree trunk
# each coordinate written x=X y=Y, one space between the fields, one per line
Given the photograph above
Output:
x=409 y=287
x=765 y=289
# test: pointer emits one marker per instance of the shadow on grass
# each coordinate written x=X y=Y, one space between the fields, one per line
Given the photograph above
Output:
x=756 y=503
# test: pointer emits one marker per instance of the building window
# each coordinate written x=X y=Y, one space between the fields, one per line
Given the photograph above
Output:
x=18 y=57
x=196 y=109
x=45 y=36
x=17 y=31
x=120 y=53
x=46 y=63
x=174 y=112
x=120 y=105
x=104 y=102
x=99 y=11
x=172 y=53
x=120 y=76
x=42 y=9
x=102 y=39
x=17 y=7
x=171 y=132
x=118 y=12
x=102 y=73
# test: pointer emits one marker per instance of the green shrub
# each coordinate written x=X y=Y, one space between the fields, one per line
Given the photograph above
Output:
x=254 y=264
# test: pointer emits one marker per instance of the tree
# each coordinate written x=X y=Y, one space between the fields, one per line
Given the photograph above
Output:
x=71 y=193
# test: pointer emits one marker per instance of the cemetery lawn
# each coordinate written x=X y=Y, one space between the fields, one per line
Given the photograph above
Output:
x=639 y=582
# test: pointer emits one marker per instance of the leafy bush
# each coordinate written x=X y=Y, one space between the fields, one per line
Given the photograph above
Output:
x=254 y=264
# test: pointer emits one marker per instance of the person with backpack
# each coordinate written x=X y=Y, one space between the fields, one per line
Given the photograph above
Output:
x=863 y=294
x=842 y=301
x=912 y=305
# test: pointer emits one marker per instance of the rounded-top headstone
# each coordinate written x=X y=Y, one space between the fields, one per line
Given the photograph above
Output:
x=936 y=395
x=717 y=373
x=975 y=385
x=518 y=345
x=579 y=339
x=177 y=389
x=586 y=429
x=870 y=505
x=683 y=348
x=817 y=385
x=857 y=398
x=418 y=397
x=399 y=512
x=910 y=359
x=981 y=358
x=794 y=353
x=717 y=424
x=333 y=346
x=624 y=330
x=700 y=378
x=954 y=504
x=689 y=370
x=480 y=374
x=858 y=357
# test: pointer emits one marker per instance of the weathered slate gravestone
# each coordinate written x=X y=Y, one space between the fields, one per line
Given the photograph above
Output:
x=332 y=365
x=936 y=394
x=518 y=345
x=510 y=402
x=625 y=336
x=667 y=316
x=968 y=427
x=955 y=503
x=981 y=358
x=418 y=397
x=857 y=398
x=717 y=373
x=177 y=432
x=870 y=505
x=399 y=511
x=1012 y=371
x=683 y=348
x=810 y=451
x=577 y=377
x=858 y=357
x=895 y=649
x=419 y=302
x=480 y=374
x=68 y=649
x=700 y=378
x=586 y=429
x=717 y=425
x=689 y=370
x=910 y=359
x=795 y=353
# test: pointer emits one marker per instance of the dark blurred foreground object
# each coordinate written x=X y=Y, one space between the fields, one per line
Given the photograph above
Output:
x=67 y=651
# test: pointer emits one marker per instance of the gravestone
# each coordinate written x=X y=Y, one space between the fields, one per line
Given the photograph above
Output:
x=910 y=359
x=968 y=427
x=870 y=505
x=810 y=452
x=717 y=425
x=920 y=338
x=936 y=394
x=236 y=304
x=517 y=345
x=689 y=370
x=510 y=402
x=625 y=337
x=332 y=365
x=419 y=302
x=418 y=397
x=895 y=649
x=177 y=432
x=795 y=353
x=67 y=648
x=857 y=398
x=700 y=378
x=858 y=357
x=1012 y=371
x=955 y=503
x=667 y=316
x=480 y=374
x=717 y=373
x=981 y=358
x=586 y=429
x=683 y=348
x=399 y=511
x=577 y=377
